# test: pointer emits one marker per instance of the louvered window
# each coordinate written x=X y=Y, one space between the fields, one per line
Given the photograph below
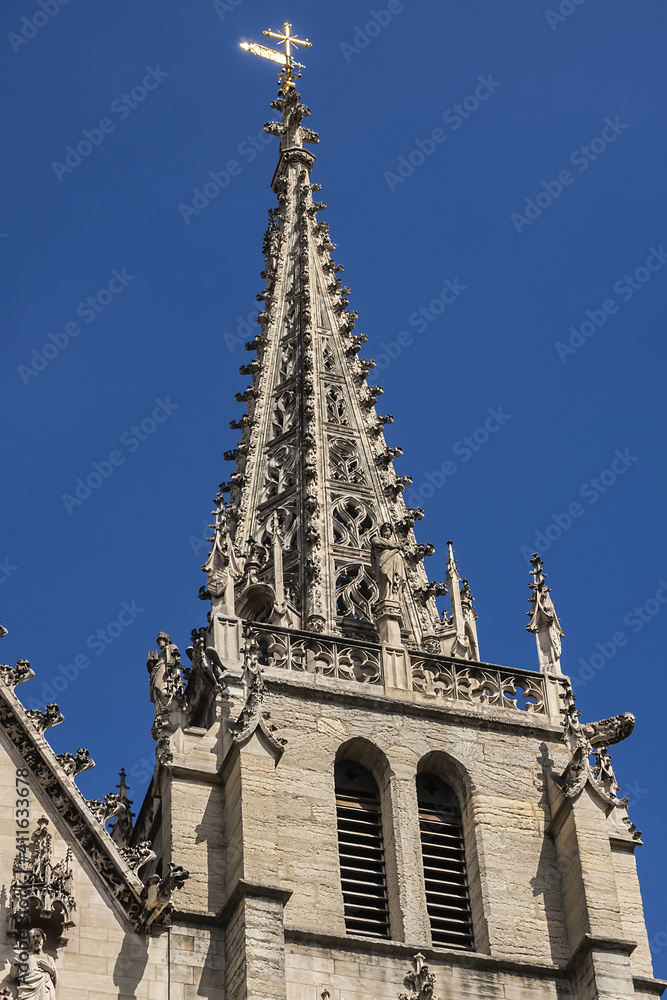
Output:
x=361 y=851
x=443 y=851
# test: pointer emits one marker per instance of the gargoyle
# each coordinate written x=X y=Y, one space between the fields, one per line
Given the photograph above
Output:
x=607 y=732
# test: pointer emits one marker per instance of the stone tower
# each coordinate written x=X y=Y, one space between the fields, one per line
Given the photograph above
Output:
x=347 y=801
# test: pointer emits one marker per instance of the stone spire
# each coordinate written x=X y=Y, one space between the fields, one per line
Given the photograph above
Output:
x=314 y=481
x=544 y=620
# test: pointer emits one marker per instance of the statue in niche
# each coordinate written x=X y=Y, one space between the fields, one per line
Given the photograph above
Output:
x=388 y=565
x=164 y=667
x=37 y=977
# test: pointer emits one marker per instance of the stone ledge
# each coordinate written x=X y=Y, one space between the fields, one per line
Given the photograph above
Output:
x=469 y=959
x=243 y=889
x=589 y=942
x=488 y=716
x=652 y=987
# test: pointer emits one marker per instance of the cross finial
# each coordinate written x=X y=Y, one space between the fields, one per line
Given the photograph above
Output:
x=286 y=59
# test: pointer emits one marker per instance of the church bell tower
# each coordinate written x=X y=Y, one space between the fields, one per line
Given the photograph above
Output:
x=348 y=800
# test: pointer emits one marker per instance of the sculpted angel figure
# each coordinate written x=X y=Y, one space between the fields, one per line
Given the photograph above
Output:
x=37 y=977
x=388 y=564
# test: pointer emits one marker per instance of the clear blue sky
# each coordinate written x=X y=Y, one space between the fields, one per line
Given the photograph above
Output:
x=541 y=199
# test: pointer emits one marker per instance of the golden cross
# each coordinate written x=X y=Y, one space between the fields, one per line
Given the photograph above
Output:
x=286 y=59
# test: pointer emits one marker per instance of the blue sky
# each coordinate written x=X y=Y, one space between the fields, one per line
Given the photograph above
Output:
x=513 y=151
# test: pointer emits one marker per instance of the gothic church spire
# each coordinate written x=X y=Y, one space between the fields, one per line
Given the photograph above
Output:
x=314 y=479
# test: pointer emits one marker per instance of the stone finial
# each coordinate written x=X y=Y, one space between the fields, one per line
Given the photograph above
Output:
x=463 y=614
x=544 y=621
x=122 y=828
x=222 y=567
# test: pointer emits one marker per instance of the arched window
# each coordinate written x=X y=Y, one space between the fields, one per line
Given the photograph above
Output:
x=361 y=851
x=443 y=852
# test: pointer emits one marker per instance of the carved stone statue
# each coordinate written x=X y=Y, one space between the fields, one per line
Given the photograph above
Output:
x=388 y=565
x=37 y=977
x=164 y=667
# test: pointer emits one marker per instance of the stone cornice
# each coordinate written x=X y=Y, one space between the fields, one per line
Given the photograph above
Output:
x=316 y=687
x=467 y=959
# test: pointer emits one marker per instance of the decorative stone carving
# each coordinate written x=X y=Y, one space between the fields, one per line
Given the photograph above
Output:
x=139 y=856
x=336 y=406
x=280 y=471
x=544 y=620
x=440 y=677
x=252 y=717
x=75 y=817
x=72 y=765
x=163 y=750
x=158 y=894
x=50 y=717
x=290 y=130
x=107 y=808
x=356 y=592
x=222 y=567
x=329 y=657
x=284 y=413
x=164 y=667
x=345 y=461
x=420 y=981
x=41 y=887
x=464 y=643
x=353 y=522
x=206 y=662
x=122 y=828
x=13 y=676
x=592 y=739
x=37 y=977
x=607 y=732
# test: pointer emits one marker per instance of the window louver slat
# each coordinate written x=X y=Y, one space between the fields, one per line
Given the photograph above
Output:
x=361 y=851
x=443 y=853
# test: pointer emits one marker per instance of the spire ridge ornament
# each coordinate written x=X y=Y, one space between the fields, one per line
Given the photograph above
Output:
x=285 y=59
x=544 y=621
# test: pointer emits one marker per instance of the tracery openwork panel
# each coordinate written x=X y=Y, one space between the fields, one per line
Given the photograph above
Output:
x=287 y=523
x=280 y=471
x=345 y=462
x=356 y=593
x=284 y=413
x=287 y=366
x=478 y=685
x=306 y=654
x=336 y=408
x=353 y=523
x=328 y=359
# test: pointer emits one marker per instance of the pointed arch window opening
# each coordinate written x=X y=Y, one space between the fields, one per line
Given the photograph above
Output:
x=445 y=868
x=361 y=851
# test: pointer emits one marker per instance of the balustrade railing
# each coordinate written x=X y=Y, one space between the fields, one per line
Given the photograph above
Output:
x=435 y=677
x=441 y=678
